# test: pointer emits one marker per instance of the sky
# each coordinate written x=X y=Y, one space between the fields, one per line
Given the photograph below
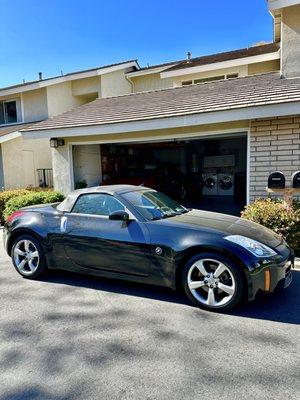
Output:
x=70 y=35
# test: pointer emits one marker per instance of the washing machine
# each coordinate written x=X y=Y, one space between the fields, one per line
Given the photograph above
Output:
x=210 y=184
x=225 y=184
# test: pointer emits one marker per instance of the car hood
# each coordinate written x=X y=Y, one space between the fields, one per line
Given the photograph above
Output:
x=227 y=224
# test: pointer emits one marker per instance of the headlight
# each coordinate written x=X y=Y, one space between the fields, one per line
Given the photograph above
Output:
x=256 y=248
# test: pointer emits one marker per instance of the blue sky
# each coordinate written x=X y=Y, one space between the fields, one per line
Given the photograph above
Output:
x=55 y=35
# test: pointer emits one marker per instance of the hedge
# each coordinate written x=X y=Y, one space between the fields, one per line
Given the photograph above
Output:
x=274 y=215
x=6 y=195
x=30 y=199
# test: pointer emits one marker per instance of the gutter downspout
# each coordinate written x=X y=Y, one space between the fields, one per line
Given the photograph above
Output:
x=131 y=83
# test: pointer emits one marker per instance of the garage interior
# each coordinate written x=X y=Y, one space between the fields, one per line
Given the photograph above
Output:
x=209 y=174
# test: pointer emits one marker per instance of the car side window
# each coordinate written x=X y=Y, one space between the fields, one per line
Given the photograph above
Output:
x=97 y=204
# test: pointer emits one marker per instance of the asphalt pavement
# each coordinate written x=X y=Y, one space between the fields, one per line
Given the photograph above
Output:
x=74 y=337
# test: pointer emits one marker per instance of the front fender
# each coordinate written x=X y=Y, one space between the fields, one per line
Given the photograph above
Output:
x=178 y=246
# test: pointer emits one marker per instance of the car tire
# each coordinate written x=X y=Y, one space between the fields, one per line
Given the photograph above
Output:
x=28 y=257
x=213 y=282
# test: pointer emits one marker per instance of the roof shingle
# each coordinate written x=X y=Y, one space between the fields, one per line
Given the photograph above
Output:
x=6 y=129
x=236 y=93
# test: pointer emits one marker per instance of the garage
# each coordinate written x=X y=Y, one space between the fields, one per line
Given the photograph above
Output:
x=207 y=173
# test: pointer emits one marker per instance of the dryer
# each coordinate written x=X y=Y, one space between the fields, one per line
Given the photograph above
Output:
x=225 y=184
x=210 y=184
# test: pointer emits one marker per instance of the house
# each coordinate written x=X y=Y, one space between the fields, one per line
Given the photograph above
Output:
x=225 y=120
x=25 y=163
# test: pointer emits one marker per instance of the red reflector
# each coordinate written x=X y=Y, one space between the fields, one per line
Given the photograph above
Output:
x=15 y=215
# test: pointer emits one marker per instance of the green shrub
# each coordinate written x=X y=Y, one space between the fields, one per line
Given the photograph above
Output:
x=274 y=215
x=5 y=196
x=31 y=198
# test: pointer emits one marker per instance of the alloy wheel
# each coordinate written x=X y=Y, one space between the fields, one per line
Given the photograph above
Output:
x=26 y=257
x=211 y=282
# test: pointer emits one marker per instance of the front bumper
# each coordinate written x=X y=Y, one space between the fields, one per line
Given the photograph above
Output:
x=271 y=276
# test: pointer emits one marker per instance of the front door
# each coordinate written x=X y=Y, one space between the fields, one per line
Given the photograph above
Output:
x=94 y=241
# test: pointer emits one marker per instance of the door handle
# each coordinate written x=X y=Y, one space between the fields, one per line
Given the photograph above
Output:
x=63 y=224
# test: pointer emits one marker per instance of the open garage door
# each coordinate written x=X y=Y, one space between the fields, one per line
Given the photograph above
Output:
x=200 y=173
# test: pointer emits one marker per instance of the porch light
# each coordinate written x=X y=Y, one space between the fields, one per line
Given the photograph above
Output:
x=54 y=142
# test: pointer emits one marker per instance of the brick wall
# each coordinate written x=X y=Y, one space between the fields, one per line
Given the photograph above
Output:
x=274 y=145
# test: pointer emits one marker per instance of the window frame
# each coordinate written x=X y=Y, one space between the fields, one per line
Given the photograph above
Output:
x=18 y=103
x=223 y=77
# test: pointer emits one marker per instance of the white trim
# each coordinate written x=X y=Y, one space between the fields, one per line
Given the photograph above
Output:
x=168 y=138
x=150 y=70
x=222 y=65
x=10 y=136
x=237 y=114
x=277 y=4
x=22 y=107
x=66 y=78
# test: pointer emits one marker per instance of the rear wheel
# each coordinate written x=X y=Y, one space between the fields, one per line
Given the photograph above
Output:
x=28 y=257
x=213 y=282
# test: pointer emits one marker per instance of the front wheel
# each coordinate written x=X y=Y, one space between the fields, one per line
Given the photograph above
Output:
x=28 y=257
x=213 y=282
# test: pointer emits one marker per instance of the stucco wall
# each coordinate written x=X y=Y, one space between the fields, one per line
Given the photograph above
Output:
x=274 y=145
x=61 y=163
x=35 y=105
x=60 y=98
x=86 y=86
x=115 y=84
x=154 y=81
x=150 y=82
x=21 y=159
x=262 y=67
x=290 y=42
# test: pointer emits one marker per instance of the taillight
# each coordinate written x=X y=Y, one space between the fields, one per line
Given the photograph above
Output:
x=14 y=215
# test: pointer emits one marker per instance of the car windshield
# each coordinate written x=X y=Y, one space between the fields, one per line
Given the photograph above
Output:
x=154 y=205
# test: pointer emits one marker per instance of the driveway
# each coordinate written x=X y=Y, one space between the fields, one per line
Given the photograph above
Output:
x=74 y=337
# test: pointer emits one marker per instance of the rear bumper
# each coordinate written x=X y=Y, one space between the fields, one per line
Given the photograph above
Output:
x=271 y=277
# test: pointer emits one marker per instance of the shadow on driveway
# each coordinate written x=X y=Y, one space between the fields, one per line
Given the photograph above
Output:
x=280 y=307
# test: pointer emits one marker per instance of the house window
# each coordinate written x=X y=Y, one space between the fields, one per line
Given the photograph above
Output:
x=210 y=79
x=8 y=112
x=187 y=83
x=231 y=76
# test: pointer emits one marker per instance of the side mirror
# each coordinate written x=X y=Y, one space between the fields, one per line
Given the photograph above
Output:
x=119 y=216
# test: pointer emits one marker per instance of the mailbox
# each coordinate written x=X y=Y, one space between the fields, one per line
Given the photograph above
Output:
x=276 y=180
x=296 y=180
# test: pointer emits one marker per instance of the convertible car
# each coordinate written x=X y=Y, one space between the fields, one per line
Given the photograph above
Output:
x=136 y=233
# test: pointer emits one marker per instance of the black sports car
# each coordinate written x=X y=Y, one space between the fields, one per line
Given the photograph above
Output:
x=139 y=234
